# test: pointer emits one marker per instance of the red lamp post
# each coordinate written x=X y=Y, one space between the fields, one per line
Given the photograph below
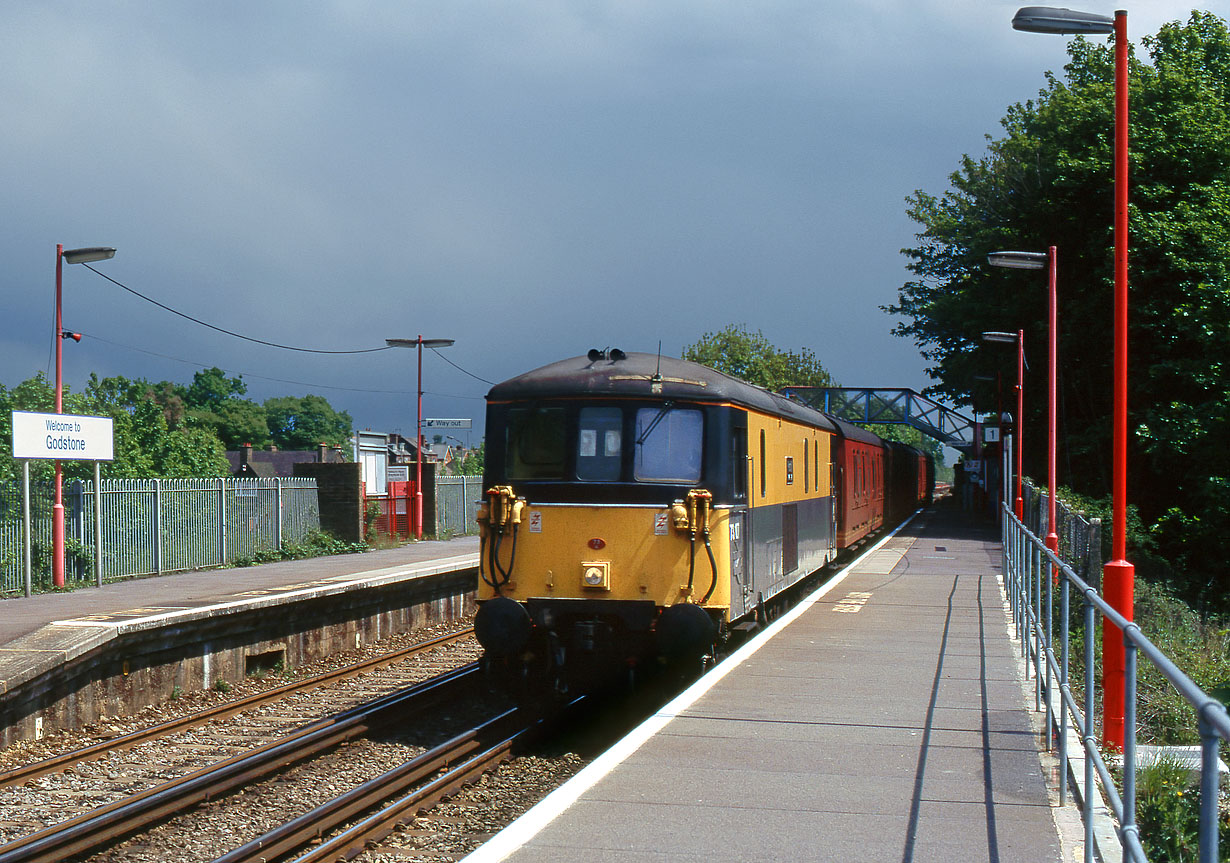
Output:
x=1117 y=575
x=419 y=343
x=1036 y=261
x=1018 y=505
x=73 y=256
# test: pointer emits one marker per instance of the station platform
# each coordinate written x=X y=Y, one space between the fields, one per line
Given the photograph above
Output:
x=65 y=658
x=884 y=718
x=203 y=589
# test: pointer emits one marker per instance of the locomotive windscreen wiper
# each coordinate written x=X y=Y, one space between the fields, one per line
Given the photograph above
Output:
x=653 y=424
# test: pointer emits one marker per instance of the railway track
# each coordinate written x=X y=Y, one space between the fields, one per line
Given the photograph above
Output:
x=70 y=784
x=372 y=811
x=56 y=763
x=107 y=824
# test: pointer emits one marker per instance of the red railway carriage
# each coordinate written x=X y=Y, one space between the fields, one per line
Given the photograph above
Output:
x=908 y=479
x=859 y=463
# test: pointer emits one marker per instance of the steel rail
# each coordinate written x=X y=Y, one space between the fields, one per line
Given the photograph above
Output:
x=109 y=823
x=464 y=756
x=353 y=841
x=220 y=711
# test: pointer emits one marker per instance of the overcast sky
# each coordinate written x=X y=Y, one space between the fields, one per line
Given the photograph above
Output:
x=531 y=179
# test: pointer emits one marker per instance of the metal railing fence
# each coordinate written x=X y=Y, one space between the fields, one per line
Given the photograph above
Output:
x=457 y=501
x=1032 y=575
x=133 y=527
x=1080 y=537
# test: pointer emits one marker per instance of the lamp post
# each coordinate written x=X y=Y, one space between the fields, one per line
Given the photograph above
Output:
x=1018 y=505
x=73 y=256
x=419 y=343
x=1036 y=261
x=1117 y=574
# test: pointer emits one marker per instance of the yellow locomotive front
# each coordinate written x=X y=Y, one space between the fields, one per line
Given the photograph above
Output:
x=611 y=533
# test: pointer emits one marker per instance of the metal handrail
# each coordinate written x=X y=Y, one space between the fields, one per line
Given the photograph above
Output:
x=1025 y=559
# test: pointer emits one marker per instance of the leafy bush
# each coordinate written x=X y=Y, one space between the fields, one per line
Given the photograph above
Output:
x=1167 y=812
x=316 y=544
x=371 y=515
x=1200 y=646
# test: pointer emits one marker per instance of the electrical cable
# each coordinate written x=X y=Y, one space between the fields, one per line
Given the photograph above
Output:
x=482 y=550
x=201 y=365
x=713 y=566
x=186 y=316
x=460 y=369
x=226 y=331
x=691 y=561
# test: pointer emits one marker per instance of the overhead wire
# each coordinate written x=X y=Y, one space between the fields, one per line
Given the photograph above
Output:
x=195 y=320
x=226 y=331
x=460 y=369
x=201 y=365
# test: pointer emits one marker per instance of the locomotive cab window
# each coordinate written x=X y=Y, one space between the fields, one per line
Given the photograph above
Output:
x=599 y=444
x=668 y=445
x=535 y=443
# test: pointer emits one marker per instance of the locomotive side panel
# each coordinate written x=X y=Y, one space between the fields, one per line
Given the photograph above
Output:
x=791 y=502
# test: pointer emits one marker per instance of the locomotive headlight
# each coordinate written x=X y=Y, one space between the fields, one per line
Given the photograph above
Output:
x=596 y=575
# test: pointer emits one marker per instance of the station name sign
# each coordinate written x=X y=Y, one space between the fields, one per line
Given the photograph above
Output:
x=63 y=436
x=447 y=424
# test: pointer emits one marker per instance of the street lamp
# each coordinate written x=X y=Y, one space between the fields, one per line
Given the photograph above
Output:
x=1117 y=574
x=419 y=343
x=1037 y=261
x=1018 y=505
x=73 y=256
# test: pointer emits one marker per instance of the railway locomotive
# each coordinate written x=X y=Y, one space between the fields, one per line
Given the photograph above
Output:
x=639 y=508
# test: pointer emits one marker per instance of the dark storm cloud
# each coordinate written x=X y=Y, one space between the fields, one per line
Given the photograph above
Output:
x=530 y=179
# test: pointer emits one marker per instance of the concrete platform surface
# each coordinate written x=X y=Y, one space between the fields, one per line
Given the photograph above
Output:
x=42 y=631
x=22 y=615
x=884 y=719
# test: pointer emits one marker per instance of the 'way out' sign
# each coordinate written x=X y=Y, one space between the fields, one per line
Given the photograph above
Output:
x=63 y=436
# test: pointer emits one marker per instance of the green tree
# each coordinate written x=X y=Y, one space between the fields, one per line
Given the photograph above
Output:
x=1047 y=181
x=144 y=445
x=213 y=402
x=474 y=461
x=235 y=422
x=211 y=388
x=302 y=423
x=751 y=357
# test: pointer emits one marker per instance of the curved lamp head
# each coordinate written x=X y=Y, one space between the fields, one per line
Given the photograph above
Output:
x=88 y=256
x=1049 y=19
x=414 y=343
x=1018 y=260
x=1009 y=338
